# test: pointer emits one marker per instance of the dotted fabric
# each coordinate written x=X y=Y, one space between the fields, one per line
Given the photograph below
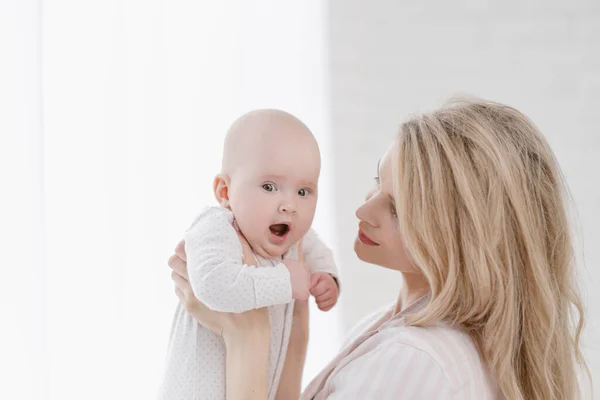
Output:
x=195 y=363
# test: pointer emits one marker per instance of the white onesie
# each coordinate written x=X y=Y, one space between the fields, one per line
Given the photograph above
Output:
x=195 y=363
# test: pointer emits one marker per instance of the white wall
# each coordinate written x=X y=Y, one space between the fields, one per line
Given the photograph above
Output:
x=137 y=97
x=22 y=282
x=388 y=59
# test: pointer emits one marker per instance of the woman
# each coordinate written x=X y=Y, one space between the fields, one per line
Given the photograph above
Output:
x=470 y=208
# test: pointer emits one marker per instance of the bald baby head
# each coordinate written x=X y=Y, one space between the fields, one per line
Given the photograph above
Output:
x=258 y=133
x=269 y=179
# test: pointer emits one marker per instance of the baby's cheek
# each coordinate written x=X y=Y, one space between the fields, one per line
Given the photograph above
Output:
x=300 y=232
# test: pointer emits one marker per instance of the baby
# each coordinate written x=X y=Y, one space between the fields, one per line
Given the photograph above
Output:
x=267 y=190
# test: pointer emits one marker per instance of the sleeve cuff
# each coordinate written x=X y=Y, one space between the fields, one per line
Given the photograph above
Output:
x=275 y=288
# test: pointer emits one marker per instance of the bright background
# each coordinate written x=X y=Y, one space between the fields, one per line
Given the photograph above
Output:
x=112 y=116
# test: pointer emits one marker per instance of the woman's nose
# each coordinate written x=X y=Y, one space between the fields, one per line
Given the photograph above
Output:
x=362 y=212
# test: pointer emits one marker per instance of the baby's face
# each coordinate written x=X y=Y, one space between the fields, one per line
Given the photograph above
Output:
x=274 y=195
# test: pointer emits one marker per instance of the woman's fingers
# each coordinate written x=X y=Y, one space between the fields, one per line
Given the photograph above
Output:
x=213 y=320
x=180 y=250
x=180 y=295
x=180 y=281
x=186 y=296
x=184 y=292
x=178 y=265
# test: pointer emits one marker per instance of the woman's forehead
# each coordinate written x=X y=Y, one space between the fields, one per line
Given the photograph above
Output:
x=385 y=163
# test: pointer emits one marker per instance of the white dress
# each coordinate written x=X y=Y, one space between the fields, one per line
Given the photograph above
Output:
x=195 y=362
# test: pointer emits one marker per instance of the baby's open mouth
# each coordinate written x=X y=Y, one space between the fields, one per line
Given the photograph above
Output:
x=280 y=229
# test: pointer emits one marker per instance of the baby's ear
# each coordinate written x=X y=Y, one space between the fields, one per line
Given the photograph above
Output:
x=221 y=190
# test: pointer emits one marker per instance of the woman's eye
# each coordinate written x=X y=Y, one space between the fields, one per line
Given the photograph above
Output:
x=269 y=187
x=393 y=211
x=376 y=180
x=303 y=192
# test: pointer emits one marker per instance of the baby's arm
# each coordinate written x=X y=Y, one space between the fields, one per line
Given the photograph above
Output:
x=217 y=274
x=318 y=256
x=324 y=281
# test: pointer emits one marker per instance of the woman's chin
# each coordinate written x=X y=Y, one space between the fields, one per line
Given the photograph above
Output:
x=365 y=254
x=360 y=251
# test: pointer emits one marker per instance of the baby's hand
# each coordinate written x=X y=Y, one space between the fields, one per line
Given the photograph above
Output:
x=324 y=289
x=300 y=277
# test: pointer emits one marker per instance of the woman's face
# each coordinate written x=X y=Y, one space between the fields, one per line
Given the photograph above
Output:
x=379 y=240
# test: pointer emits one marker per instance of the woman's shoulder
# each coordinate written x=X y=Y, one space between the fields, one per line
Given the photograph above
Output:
x=436 y=362
x=447 y=347
x=442 y=341
x=362 y=325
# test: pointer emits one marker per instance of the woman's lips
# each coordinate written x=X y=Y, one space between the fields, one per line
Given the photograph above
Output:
x=365 y=239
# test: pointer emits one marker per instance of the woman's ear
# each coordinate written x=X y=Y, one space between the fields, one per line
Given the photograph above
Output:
x=221 y=190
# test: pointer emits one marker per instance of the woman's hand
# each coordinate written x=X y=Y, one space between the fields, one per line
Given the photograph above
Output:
x=223 y=324
x=290 y=383
x=213 y=320
x=246 y=335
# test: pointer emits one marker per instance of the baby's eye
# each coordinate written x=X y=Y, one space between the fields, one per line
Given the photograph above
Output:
x=269 y=187
x=303 y=192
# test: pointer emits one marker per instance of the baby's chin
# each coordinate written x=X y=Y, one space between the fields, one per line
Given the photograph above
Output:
x=277 y=251
x=267 y=249
x=273 y=251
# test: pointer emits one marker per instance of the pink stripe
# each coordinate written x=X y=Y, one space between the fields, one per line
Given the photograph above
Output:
x=399 y=362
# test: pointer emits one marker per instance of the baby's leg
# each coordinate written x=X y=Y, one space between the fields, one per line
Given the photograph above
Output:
x=211 y=358
x=195 y=365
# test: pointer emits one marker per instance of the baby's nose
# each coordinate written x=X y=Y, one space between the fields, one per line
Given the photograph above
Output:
x=287 y=208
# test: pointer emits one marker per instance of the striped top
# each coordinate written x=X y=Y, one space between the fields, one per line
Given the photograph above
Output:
x=390 y=360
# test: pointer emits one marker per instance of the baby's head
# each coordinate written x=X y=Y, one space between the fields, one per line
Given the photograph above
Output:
x=269 y=178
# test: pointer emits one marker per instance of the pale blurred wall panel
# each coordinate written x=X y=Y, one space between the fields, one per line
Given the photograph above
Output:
x=388 y=59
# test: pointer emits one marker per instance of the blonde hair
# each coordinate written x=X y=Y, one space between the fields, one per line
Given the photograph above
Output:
x=481 y=206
